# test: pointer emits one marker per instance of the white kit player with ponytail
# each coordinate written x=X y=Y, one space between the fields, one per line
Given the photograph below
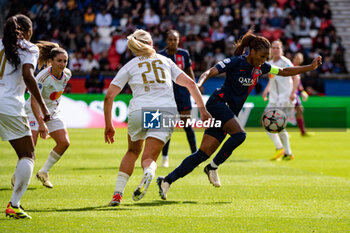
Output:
x=52 y=80
x=18 y=60
x=150 y=77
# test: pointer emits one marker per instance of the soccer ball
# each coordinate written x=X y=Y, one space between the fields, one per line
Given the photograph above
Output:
x=274 y=120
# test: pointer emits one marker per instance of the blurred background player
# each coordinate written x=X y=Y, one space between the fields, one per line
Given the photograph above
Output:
x=52 y=80
x=282 y=95
x=18 y=60
x=297 y=61
x=181 y=58
x=150 y=77
x=242 y=73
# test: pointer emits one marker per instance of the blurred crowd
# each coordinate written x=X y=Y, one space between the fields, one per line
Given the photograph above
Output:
x=94 y=31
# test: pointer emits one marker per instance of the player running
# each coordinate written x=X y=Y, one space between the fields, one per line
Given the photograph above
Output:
x=242 y=73
x=18 y=60
x=150 y=77
x=282 y=95
x=182 y=59
x=52 y=80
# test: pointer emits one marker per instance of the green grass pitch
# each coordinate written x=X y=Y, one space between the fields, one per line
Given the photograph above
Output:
x=308 y=194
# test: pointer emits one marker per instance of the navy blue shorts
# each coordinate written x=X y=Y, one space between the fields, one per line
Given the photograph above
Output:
x=182 y=98
x=219 y=110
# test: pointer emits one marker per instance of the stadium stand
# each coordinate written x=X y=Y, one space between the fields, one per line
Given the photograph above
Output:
x=208 y=28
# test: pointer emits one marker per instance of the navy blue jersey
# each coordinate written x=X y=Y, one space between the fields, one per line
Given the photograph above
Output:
x=182 y=59
x=241 y=77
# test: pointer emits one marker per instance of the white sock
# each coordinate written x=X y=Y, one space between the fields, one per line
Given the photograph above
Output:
x=23 y=173
x=276 y=140
x=213 y=165
x=122 y=179
x=151 y=169
x=165 y=157
x=51 y=160
x=285 y=140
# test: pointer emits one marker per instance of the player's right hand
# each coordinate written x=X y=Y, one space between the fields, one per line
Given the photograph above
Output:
x=109 y=134
x=316 y=62
x=43 y=131
x=264 y=95
x=205 y=115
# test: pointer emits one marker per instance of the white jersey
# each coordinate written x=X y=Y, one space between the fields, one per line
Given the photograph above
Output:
x=150 y=80
x=281 y=87
x=51 y=89
x=12 y=86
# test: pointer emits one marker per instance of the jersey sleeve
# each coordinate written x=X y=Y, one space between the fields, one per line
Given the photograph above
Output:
x=68 y=73
x=288 y=63
x=175 y=71
x=30 y=56
x=121 y=78
x=188 y=62
x=40 y=79
x=226 y=64
x=267 y=68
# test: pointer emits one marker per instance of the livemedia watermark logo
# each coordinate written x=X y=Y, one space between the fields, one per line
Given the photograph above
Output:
x=169 y=118
x=152 y=119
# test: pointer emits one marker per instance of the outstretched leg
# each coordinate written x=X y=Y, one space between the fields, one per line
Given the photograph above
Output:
x=238 y=136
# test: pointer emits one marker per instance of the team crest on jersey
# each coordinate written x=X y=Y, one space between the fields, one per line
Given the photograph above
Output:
x=226 y=60
x=257 y=72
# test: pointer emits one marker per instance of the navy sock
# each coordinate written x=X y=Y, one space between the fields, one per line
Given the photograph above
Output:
x=187 y=165
x=191 y=137
x=226 y=150
x=166 y=148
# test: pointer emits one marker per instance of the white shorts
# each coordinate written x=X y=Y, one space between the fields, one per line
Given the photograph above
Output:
x=137 y=132
x=52 y=125
x=13 y=127
x=287 y=109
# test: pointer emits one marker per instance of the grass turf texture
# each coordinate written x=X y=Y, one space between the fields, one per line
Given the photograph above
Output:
x=309 y=194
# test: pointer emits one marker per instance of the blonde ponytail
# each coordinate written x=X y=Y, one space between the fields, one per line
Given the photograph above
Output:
x=140 y=43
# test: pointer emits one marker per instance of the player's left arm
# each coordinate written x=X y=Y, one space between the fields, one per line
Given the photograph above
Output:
x=291 y=71
x=206 y=75
x=188 y=65
x=190 y=73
